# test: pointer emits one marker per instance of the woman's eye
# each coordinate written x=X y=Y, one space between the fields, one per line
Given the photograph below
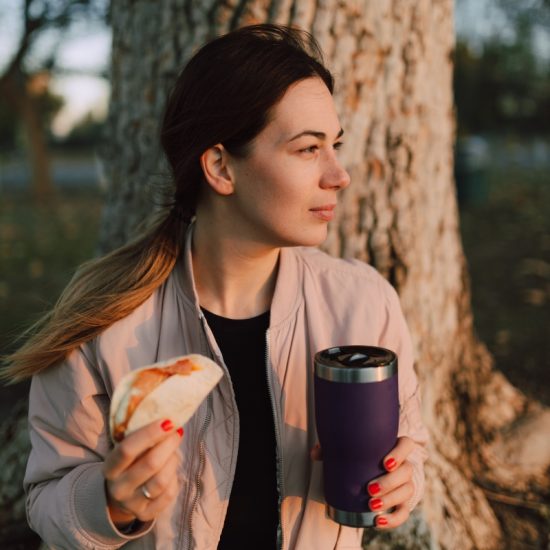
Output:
x=313 y=148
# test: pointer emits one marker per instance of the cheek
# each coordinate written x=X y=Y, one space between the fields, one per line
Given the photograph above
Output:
x=287 y=185
x=278 y=189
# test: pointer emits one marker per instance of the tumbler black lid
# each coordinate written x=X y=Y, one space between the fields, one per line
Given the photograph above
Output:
x=355 y=364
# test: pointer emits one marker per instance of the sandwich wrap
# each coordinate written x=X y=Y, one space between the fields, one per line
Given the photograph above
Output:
x=171 y=389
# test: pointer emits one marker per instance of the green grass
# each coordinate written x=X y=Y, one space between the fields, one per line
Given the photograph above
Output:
x=40 y=247
x=507 y=244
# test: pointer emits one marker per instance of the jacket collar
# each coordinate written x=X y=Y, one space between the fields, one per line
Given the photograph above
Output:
x=288 y=288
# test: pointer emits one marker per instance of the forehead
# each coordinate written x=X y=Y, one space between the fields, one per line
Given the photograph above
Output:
x=307 y=104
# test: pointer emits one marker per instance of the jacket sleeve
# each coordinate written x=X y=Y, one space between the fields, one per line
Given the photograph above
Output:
x=396 y=337
x=64 y=484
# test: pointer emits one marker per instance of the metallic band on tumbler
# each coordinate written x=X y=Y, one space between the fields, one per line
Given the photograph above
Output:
x=355 y=519
x=347 y=364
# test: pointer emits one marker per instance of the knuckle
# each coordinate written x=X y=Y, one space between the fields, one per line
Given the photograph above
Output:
x=124 y=453
x=152 y=462
x=117 y=493
x=159 y=485
x=143 y=516
x=170 y=483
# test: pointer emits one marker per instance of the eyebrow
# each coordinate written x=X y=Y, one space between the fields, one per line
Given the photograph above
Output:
x=320 y=135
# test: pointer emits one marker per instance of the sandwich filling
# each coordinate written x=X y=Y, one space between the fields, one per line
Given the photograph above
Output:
x=143 y=384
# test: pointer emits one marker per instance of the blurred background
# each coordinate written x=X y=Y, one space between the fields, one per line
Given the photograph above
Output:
x=54 y=94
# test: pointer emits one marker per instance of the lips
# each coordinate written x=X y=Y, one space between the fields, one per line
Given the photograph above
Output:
x=324 y=212
x=329 y=207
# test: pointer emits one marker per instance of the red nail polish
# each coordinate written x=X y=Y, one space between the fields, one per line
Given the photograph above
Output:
x=373 y=489
x=167 y=425
x=375 y=504
x=390 y=463
x=180 y=432
x=381 y=521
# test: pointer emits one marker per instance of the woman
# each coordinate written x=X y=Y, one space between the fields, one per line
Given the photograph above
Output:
x=251 y=135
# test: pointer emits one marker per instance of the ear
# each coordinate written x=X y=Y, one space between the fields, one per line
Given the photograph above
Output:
x=217 y=172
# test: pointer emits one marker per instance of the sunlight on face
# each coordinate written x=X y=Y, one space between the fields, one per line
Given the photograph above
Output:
x=286 y=189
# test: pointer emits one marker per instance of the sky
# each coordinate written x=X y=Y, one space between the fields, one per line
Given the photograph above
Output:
x=85 y=48
x=82 y=56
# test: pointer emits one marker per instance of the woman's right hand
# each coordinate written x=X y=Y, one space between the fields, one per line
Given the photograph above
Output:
x=144 y=464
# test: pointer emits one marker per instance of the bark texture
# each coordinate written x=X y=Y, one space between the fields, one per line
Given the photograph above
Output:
x=392 y=60
x=487 y=476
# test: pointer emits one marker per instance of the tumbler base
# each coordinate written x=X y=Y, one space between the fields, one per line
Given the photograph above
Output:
x=352 y=519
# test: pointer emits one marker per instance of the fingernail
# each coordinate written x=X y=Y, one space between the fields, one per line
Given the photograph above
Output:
x=167 y=425
x=373 y=489
x=390 y=463
x=376 y=504
x=180 y=432
x=380 y=520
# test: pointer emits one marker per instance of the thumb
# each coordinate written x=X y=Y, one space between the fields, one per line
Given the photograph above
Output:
x=316 y=452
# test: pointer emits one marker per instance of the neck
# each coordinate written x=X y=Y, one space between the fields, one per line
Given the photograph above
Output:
x=234 y=277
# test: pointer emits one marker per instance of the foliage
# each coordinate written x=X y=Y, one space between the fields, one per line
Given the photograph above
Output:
x=39 y=18
x=48 y=105
x=510 y=275
x=501 y=89
x=88 y=133
x=505 y=87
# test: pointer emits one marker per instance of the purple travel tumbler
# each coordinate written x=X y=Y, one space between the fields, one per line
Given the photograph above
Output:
x=357 y=416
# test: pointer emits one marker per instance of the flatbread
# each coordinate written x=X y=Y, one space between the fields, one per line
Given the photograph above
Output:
x=176 y=398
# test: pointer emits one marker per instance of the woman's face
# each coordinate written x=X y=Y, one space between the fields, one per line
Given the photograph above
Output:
x=286 y=189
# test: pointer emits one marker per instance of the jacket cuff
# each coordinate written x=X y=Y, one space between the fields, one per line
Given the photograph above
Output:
x=91 y=511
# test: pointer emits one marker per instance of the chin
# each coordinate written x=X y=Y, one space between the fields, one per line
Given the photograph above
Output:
x=307 y=238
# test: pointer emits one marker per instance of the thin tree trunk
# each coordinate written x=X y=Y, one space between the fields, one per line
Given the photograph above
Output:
x=41 y=183
x=14 y=88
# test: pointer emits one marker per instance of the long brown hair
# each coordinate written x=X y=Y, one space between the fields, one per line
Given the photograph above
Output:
x=225 y=94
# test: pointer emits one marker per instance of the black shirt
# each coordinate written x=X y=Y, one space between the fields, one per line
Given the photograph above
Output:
x=252 y=515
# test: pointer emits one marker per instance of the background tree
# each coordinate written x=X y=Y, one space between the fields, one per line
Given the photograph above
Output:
x=24 y=83
x=392 y=61
x=503 y=86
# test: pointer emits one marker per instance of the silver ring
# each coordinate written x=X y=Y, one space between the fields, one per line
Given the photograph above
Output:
x=146 y=493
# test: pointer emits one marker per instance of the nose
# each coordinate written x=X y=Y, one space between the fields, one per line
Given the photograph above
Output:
x=335 y=175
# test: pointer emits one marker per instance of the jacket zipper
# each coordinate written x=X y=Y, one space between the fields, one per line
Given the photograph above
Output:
x=199 y=471
x=202 y=453
x=279 y=452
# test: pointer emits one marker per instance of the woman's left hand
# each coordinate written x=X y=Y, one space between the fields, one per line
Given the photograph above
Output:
x=393 y=489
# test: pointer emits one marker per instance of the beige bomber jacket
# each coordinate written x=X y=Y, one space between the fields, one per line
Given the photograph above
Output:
x=319 y=302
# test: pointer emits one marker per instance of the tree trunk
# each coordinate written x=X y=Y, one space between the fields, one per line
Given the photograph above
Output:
x=485 y=479
x=392 y=61
x=14 y=88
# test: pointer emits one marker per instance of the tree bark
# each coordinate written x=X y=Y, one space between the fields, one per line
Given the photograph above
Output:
x=393 y=64
x=485 y=479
